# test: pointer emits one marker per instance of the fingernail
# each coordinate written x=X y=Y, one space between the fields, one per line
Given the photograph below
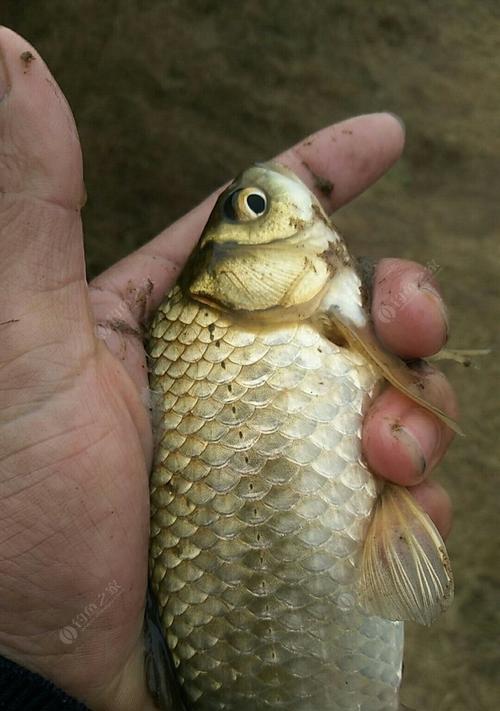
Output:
x=399 y=120
x=422 y=366
x=436 y=299
x=421 y=435
x=4 y=77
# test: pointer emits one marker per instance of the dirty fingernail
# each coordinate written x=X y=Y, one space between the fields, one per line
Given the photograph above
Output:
x=398 y=119
x=420 y=435
x=434 y=295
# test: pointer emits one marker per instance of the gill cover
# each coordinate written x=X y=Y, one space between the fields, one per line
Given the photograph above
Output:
x=263 y=249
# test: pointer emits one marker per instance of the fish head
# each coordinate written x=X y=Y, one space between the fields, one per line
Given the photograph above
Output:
x=268 y=249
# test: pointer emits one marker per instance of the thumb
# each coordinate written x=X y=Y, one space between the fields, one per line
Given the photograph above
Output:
x=40 y=149
x=43 y=299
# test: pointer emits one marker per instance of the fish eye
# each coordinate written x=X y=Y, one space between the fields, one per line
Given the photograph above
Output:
x=245 y=204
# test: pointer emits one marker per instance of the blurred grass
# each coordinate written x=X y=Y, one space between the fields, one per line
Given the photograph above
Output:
x=173 y=97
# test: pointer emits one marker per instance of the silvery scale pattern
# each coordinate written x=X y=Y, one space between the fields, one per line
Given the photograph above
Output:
x=260 y=503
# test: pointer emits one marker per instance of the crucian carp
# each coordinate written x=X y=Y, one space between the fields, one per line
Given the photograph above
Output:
x=281 y=568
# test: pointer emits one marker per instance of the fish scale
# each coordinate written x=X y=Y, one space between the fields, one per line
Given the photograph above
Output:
x=260 y=505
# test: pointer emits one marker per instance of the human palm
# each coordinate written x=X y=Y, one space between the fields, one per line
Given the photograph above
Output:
x=75 y=434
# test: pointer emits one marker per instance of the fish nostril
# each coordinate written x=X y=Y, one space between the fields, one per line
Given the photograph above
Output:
x=229 y=206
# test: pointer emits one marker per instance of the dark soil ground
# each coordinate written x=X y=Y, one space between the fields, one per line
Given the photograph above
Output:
x=172 y=97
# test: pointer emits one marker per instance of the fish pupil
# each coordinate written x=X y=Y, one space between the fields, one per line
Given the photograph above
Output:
x=256 y=203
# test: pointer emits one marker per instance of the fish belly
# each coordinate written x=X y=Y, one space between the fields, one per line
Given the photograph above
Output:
x=259 y=504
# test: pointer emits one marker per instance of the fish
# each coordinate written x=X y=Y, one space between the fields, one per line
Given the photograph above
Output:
x=281 y=568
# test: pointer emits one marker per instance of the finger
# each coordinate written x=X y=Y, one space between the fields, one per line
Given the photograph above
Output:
x=42 y=268
x=436 y=502
x=342 y=160
x=408 y=311
x=337 y=162
x=403 y=442
x=42 y=186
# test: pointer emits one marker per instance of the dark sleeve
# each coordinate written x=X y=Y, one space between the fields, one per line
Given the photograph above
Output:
x=23 y=690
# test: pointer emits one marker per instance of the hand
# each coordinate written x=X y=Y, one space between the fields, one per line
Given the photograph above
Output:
x=75 y=434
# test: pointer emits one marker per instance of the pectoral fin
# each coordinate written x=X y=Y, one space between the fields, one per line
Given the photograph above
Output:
x=393 y=368
x=406 y=573
x=465 y=357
